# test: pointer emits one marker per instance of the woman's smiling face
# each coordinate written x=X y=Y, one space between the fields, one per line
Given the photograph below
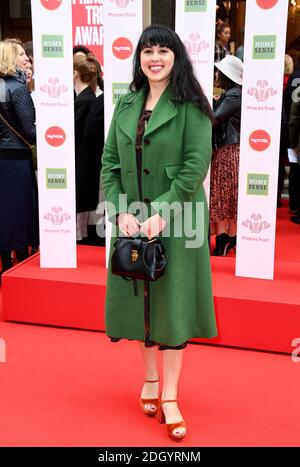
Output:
x=157 y=63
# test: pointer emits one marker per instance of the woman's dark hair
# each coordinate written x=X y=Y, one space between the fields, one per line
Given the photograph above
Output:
x=86 y=66
x=183 y=83
x=224 y=82
x=81 y=48
x=28 y=47
x=84 y=50
x=220 y=27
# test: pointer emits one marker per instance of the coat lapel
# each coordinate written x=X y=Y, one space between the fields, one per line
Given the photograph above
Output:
x=130 y=113
x=163 y=112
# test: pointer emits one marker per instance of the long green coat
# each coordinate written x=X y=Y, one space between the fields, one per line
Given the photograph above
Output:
x=176 y=156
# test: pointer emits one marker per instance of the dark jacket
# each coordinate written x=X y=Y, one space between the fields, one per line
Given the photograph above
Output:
x=289 y=90
x=89 y=141
x=294 y=124
x=18 y=190
x=227 y=112
x=17 y=108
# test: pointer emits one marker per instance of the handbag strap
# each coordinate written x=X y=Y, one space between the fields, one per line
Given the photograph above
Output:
x=30 y=146
x=163 y=253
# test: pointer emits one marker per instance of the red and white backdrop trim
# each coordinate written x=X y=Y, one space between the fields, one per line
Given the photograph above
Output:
x=88 y=29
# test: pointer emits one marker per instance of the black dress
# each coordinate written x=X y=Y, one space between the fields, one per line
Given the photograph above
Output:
x=89 y=141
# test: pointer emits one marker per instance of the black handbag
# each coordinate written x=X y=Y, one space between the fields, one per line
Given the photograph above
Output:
x=139 y=258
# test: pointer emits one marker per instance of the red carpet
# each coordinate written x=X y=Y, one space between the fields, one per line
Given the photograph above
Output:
x=62 y=387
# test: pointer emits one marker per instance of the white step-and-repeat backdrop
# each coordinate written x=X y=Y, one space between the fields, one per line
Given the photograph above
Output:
x=111 y=29
x=265 y=36
x=54 y=103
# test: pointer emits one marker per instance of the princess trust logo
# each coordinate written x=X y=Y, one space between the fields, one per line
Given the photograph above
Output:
x=256 y=224
x=57 y=216
x=262 y=92
x=122 y=3
x=53 y=88
x=194 y=45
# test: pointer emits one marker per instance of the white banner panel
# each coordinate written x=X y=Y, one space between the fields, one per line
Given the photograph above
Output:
x=123 y=27
x=195 y=25
x=54 y=102
x=265 y=35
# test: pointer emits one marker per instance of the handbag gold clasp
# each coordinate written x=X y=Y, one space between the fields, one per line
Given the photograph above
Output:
x=134 y=255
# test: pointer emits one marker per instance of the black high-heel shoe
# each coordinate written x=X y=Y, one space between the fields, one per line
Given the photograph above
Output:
x=221 y=241
x=231 y=244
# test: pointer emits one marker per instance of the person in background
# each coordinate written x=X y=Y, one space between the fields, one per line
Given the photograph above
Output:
x=223 y=33
x=22 y=57
x=28 y=47
x=18 y=190
x=158 y=153
x=294 y=138
x=95 y=217
x=82 y=50
x=225 y=161
x=30 y=67
x=284 y=136
x=288 y=70
x=289 y=96
x=89 y=139
x=293 y=82
x=29 y=76
x=239 y=53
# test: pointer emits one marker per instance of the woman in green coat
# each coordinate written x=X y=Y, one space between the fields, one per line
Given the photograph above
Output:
x=156 y=156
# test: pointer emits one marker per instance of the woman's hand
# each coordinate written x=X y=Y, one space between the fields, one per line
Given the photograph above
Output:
x=128 y=224
x=153 y=226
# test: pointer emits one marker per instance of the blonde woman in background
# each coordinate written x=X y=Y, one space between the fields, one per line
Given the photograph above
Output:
x=19 y=213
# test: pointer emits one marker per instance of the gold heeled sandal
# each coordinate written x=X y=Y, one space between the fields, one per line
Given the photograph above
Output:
x=171 y=427
x=152 y=404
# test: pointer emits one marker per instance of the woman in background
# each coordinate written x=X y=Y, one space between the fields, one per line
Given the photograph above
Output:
x=18 y=190
x=223 y=33
x=89 y=139
x=225 y=161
